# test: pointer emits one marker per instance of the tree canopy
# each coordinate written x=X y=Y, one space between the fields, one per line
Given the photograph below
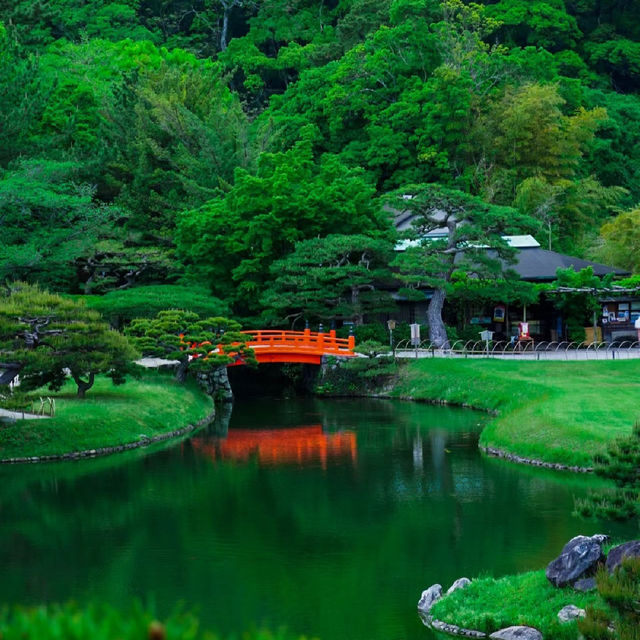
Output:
x=338 y=277
x=199 y=142
x=231 y=241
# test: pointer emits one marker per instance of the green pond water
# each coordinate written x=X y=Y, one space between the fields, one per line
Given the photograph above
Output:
x=327 y=517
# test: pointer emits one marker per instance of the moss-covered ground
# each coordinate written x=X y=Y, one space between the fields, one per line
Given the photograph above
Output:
x=560 y=412
x=108 y=416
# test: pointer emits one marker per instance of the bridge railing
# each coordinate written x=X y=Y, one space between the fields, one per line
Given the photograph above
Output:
x=301 y=340
x=541 y=350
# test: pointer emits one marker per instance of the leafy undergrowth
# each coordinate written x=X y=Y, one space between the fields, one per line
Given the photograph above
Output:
x=108 y=416
x=489 y=604
x=102 y=622
x=559 y=412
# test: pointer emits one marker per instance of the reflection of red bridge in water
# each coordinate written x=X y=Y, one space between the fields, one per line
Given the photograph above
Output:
x=271 y=447
x=297 y=346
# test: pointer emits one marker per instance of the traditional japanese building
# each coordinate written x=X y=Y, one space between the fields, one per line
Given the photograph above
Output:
x=537 y=265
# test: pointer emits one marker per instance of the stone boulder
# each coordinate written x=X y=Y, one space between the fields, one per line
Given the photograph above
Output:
x=429 y=597
x=617 y=554
x=579 y=558
x=517 y=633
x=570 y=612
x=460 y=583
x=427 y=620
x=585 y=584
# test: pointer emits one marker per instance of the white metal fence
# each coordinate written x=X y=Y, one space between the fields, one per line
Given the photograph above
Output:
x=529 y=350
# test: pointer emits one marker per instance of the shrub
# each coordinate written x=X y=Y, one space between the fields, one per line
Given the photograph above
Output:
x=621 y=591
x=120 y=307
x=621 y=464
x=103 y=622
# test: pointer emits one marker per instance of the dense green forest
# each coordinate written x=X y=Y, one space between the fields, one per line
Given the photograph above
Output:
x=202 y=142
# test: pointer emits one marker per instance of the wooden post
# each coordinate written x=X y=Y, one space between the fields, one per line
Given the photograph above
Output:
x=352 y=342
x=507 y=326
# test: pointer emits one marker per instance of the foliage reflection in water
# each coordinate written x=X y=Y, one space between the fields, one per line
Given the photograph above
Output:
x=328 y=517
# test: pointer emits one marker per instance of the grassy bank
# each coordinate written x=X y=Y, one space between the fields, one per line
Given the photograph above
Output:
x=560 y=412
x=489 y=604
x=108 y=416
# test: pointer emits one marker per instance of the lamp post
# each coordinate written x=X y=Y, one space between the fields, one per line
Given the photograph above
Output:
x=391 y=324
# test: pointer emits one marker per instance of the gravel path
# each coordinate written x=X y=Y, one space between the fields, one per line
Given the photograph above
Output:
x=19 y=415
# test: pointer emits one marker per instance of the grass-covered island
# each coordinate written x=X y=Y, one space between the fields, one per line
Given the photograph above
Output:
x=591 y=590
x=557 y=412
x=109 y=416
x=528 y=599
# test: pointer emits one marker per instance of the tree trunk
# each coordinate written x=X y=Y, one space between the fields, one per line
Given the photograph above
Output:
x=181 y=372
x=83 y=386
x=437 y=330
x=225 y=27
x=358 y=318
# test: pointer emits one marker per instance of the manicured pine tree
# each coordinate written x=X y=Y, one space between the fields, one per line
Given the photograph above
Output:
x=43 y=336
x=473 y=243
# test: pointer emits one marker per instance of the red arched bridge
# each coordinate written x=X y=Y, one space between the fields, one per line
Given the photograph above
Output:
x=306 y=346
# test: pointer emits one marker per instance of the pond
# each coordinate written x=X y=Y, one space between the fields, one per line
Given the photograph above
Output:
x=326 y=517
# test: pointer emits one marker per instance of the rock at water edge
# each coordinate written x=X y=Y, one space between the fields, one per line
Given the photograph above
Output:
x=617 y=554
x=579 y=557
x=429 y=597
x=517 y=633
x=460 y=583
x=570 y=612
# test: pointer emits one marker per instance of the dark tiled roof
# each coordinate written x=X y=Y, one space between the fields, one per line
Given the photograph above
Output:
x=536 y=263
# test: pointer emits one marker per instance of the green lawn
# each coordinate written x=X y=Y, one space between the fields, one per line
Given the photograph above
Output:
x=489 y=604
x=108 y=416
x=562 y=412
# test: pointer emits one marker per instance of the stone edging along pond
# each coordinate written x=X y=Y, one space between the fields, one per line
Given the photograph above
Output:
x=512 y=457
x=454 y=629
x=104 y=451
